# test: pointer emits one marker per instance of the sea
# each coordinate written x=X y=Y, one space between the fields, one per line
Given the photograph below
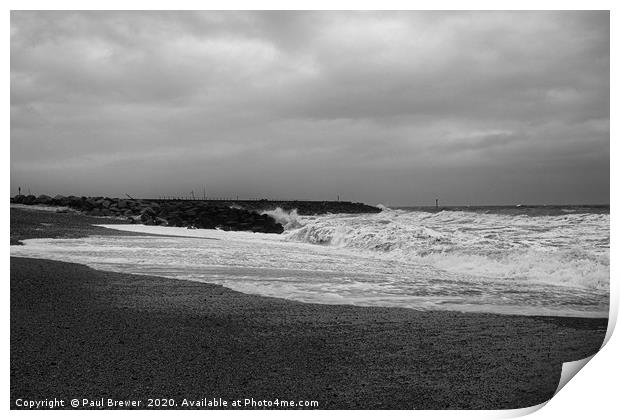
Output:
x=520 y=260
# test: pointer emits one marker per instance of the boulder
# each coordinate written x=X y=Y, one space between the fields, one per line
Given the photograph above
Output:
x=61 y=200
x=29 y=199
x=175 y=221
x=148 y=211
x=43 y=199
x=73 y=201
x=206 y=222
x=90 y=203
x=134 y=219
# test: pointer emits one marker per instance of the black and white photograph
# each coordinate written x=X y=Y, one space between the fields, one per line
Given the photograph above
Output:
x=306 y=209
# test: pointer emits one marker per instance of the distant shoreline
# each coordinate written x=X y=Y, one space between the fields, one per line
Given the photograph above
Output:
x=499 y=205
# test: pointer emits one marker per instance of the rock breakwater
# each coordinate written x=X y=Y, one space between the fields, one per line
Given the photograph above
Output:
x=204 y=214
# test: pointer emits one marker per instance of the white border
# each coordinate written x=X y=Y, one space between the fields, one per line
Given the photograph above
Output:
x=592 y=394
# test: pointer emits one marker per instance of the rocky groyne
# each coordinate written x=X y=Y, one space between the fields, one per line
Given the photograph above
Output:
x=306 y=208
x=241 y=215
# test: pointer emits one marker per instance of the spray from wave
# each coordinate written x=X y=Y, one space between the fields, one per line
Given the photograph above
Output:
x=569 y=250
x=289 y=220
x=451 y=260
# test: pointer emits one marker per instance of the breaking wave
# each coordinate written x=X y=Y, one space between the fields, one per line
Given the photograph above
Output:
x=289 y=220
x=570 y=250
x=448 y=260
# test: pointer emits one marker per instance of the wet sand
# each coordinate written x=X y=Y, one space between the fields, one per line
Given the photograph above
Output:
x=82 y=333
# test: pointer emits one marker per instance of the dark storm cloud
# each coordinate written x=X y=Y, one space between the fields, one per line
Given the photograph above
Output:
x=474 y=107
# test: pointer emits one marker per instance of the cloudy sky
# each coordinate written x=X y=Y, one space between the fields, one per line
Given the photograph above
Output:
x=388 y=107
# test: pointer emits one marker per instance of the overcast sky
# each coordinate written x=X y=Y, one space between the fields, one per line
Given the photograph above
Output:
x=388 y=107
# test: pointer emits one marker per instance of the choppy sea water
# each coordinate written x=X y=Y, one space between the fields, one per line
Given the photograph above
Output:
x=534 y=261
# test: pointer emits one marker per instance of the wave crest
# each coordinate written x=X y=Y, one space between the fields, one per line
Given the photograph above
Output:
x=289 y=220
x=569 y=250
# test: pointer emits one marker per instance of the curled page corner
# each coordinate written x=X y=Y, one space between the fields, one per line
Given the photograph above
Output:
x=570 y=369
x=520 y=412
x=611 y=322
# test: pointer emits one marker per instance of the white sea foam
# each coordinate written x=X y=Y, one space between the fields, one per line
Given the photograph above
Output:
x=571 y=250
x=288 y=219
x=547 y=265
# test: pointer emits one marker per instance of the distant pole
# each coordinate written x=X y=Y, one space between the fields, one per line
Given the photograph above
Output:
x=338 y=197
x=19 y=190
x=436 y=203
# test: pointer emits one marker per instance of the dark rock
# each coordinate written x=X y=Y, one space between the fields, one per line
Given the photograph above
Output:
x=148 y=211
x=234 y=215
x=60 y=200
x=90 y=203
x=206 y=222
x=29 y=199
x=175 y=221
x=44 y=199
x=73 y=201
